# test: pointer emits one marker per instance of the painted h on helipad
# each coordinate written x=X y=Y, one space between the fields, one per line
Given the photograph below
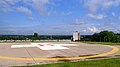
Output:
x=45 y=46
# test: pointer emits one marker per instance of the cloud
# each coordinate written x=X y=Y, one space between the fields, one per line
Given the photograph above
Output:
x=95 y=5
x=78 y=22
x=12 y=2
x=108 y=23
x=66 y=13
x=5 y=6
x=119 y=17
x=92 y=5
x=93 y=29
x=98 y=17
x=24 y=10
x=59 y=29
x=62 y=13
x=8 y=5
x=110 y=3
x=13 y=30
x=113 y=14
x=38 y=4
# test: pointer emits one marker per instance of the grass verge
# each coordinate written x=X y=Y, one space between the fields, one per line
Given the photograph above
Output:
x=111 y=62
x=104 y=43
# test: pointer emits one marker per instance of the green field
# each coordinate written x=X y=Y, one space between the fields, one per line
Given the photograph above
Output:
x=112 y=62
x=104 y=43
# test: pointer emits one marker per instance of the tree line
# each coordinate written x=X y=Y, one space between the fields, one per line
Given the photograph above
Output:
x=34 y=37
x=105 y=36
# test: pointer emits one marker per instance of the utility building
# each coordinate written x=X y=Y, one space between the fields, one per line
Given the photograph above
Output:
x=76 y=36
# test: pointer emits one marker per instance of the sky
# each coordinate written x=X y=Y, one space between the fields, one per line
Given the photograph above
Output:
x=58 y=17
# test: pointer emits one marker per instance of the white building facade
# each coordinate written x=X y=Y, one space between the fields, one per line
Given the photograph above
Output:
x=76 y=36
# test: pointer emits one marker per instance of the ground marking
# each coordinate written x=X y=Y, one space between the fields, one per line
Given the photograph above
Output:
x=45 y=46
x=114 y=50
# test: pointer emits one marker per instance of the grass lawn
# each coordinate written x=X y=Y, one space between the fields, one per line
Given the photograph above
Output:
x=112 y=62
x=104 y=43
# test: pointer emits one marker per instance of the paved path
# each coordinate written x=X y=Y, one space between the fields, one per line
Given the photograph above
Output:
x=29 y=56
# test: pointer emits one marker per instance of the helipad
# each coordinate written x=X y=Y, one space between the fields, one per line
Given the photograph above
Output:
x=18 y=53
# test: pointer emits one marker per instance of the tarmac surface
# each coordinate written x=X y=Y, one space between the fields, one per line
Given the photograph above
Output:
x=33 y=55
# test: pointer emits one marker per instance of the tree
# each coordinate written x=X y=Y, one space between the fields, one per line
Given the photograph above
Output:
x=36 y=36
x=95 y=37
x=106 y=36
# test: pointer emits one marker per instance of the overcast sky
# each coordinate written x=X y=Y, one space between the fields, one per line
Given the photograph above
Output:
x=59 y=17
